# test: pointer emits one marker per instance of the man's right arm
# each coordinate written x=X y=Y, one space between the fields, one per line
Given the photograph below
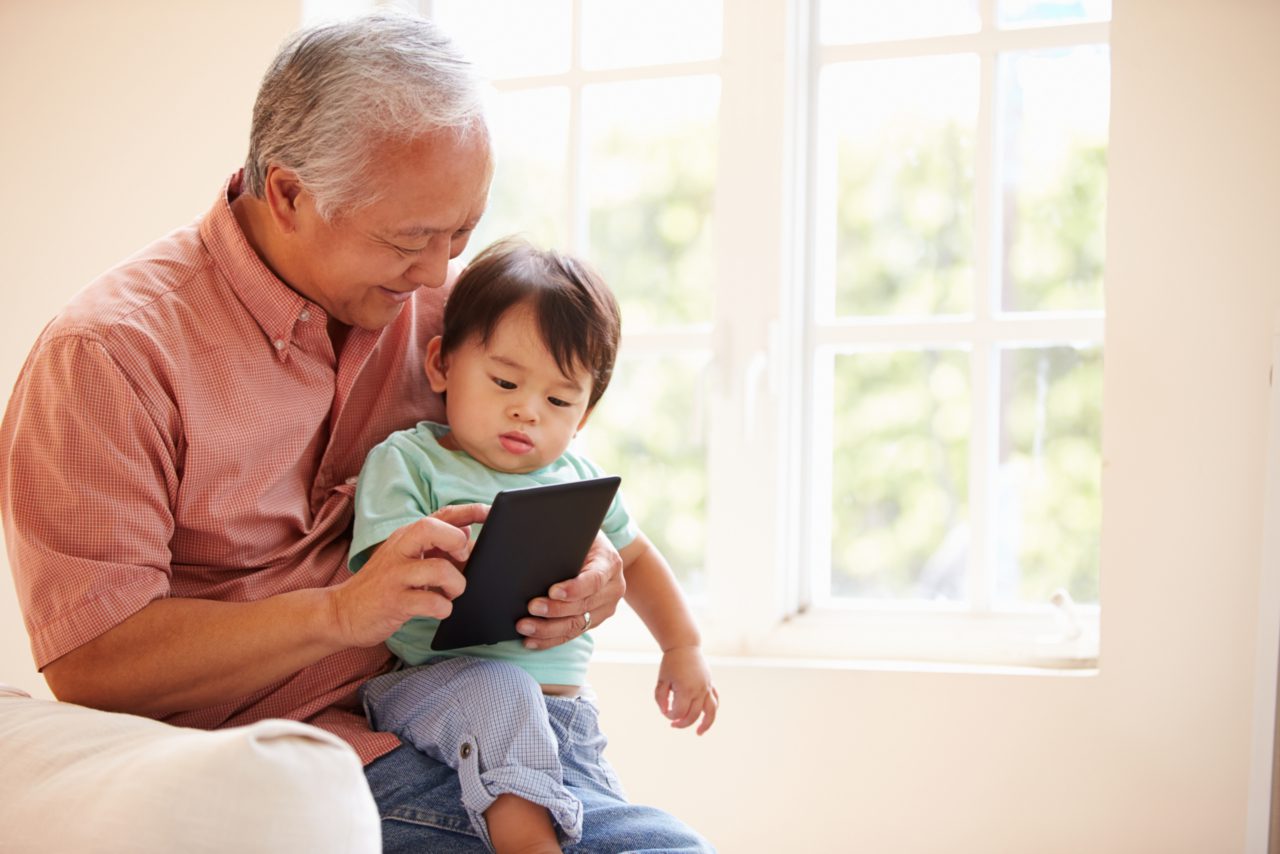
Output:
x=178 y=654
x=89 y=473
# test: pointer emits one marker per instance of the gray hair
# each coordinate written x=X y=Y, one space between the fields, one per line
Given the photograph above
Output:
x=335 y=90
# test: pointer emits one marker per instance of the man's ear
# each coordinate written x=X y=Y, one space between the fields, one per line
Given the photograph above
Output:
x=283 y=191
x=434 y=365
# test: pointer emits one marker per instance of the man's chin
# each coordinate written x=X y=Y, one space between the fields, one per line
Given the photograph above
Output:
x=376 y=321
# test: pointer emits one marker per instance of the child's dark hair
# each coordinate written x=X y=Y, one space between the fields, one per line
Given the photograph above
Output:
x=577 y=315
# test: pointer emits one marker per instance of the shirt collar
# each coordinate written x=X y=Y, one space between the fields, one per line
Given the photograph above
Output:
x=275 y=306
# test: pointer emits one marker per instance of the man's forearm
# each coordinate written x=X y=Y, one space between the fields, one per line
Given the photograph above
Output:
x=180 y=654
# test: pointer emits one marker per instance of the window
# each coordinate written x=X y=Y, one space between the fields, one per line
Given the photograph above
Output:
x=858 y=247
x=605 y=123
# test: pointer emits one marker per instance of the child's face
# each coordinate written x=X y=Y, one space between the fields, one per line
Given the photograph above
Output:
x=507 y=402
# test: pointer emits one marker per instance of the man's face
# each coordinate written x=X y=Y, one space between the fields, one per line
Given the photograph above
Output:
x=362 y=267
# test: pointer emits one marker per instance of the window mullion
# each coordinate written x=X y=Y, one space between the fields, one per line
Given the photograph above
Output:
x=745 y=494
x=983 y=448
x=579 y=229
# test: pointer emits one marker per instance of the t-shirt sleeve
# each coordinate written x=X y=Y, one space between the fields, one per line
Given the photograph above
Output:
x=88 y=477
x=618 y=525
x=394 y=490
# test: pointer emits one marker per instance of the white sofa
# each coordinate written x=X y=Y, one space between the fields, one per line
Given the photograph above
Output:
x=77 y=779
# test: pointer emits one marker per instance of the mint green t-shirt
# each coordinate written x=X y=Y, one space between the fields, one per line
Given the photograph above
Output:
x=409 y=476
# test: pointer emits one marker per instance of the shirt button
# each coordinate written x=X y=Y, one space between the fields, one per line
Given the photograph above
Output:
x=304 y=315
x=465 y=750
x=279 y=345
x=351 y=481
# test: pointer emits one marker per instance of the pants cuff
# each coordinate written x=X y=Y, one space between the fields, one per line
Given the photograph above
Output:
x=479 y=791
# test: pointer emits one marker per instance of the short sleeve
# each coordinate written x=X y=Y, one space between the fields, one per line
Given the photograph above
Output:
x=87 y=484
x=394 y=489
x=617 y=525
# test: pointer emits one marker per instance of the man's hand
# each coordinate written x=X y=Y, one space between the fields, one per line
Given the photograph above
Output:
x=414 y=573
x=561 y=615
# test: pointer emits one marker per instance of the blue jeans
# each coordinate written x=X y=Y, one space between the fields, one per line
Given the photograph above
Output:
x=421 y=799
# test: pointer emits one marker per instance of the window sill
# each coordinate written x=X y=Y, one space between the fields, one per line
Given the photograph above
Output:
x=1032 y=641
x=742 y=662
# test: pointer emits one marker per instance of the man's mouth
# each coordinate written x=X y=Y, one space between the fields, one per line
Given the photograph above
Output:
x=515 y=443
x=396 y=296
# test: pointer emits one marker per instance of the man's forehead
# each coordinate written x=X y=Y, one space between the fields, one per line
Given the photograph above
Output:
x=431 y=185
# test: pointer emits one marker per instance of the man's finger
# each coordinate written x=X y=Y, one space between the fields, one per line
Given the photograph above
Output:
x=584 y=585
x=544 y=633
x=437 y=574
x=426 y=535
x=462 y=515
x=601 y=570
x=592 y=590
x=427 y=603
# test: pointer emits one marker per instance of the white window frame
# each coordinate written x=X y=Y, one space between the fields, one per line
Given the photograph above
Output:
x=1050 y=635
x=761 y=599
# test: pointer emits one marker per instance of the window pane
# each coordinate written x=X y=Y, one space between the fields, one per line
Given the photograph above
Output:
x=900 y=476
x=531 y=145
x=619 y=33
x=649 y=428
x=1017 y=13
x=901 y=135
x=846 y=21
x=1050 y=511
x=650 y=175
x=534 y=37
x=1054 y=114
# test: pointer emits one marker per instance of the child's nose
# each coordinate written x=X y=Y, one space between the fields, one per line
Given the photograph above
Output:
x=523 y=411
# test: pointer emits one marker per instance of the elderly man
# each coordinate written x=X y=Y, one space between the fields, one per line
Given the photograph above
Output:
x=178 y=458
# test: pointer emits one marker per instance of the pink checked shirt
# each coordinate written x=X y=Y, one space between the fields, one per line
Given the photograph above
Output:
x=183 y=428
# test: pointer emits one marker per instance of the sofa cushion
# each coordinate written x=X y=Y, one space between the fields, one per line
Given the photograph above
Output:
x=77 y=779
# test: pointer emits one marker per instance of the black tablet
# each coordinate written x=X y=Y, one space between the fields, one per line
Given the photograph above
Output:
x=533 y=538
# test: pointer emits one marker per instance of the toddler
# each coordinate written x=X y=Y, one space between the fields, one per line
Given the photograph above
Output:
x=530 y=338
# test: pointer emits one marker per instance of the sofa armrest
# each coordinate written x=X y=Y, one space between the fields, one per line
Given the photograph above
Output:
x=77 y=779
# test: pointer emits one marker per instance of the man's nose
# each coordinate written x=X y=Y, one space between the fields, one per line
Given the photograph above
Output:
x=430 y=268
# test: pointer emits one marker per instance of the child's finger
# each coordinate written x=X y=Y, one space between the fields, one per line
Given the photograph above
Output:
x=685 y=711
x=709 y=707
x=662 y=696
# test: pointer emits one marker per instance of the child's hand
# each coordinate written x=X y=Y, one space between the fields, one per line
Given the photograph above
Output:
x=684 y=689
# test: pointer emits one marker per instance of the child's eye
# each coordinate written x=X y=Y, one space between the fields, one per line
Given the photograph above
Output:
x=501 y=383
x=555 y=401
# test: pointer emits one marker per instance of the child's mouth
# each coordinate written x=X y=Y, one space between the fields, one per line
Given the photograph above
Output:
x=515 y=443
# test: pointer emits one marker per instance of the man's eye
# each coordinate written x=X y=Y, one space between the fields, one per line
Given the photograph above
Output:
x=555 y=401
x=501 y=383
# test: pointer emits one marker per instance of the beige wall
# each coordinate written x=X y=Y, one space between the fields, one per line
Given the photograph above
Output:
x=1152 y=755
x=118 y=123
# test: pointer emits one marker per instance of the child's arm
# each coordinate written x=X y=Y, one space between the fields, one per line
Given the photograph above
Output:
x=684 y=691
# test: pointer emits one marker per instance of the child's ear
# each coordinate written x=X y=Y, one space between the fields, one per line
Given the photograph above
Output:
x=583 y=422
x=434 y=365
